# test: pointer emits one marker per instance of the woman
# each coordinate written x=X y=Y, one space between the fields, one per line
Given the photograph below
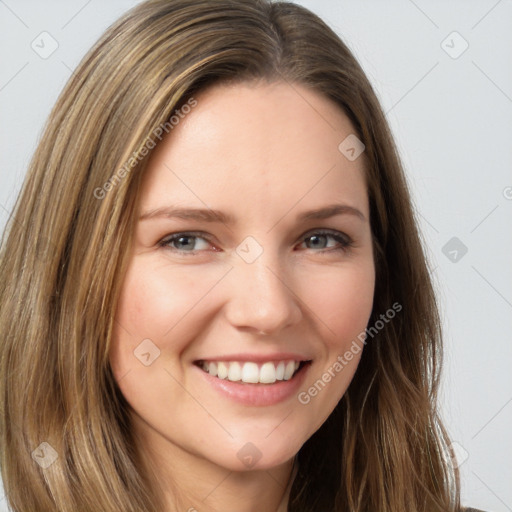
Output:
x=250 y=368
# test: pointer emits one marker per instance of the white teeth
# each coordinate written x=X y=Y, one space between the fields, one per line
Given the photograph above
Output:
x=280 y=371
x=222 y=370
x=234 y=372
x=268 y=373
x=288 y=371
x=211 y=367
x=250 y=372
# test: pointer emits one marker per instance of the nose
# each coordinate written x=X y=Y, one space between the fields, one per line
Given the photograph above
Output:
x=262 y=298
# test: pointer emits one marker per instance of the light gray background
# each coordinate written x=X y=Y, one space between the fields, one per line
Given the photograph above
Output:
x=452 y=118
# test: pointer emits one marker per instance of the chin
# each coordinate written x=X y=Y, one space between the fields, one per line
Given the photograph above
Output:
x=258 y=454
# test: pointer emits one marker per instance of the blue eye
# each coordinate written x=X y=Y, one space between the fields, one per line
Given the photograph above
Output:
x=186 y=243
x=319 y=240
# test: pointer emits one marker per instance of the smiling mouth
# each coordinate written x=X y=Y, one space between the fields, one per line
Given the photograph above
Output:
x=253 y=373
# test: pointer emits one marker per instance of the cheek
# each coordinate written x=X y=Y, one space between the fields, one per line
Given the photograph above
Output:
x=159 y=303
x=342 y=300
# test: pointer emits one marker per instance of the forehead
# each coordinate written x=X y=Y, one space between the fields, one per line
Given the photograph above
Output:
x=264 y=146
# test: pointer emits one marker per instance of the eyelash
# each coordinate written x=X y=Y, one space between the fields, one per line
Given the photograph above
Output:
x=344 y=240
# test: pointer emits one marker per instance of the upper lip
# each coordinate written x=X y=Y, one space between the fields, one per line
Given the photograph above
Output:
x=257 y=358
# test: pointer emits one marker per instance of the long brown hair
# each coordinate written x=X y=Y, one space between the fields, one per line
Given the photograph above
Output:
x=65 y=249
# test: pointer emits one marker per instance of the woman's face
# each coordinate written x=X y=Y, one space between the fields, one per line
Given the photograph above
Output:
x=250 y=284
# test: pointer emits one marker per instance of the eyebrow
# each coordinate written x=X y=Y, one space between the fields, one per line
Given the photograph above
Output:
x=210 y=215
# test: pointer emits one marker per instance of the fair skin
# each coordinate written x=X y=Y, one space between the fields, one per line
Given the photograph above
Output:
x=264 y=154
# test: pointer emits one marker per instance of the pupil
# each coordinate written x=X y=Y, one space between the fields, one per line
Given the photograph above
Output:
x=181 y=238
x=315 y=237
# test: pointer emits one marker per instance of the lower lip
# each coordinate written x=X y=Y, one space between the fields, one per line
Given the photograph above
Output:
x=257 y=394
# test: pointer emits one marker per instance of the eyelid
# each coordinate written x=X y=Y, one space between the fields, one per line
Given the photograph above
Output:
x=327 y=231
x=177 y=234
x=346 y=241
x=342 y=238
